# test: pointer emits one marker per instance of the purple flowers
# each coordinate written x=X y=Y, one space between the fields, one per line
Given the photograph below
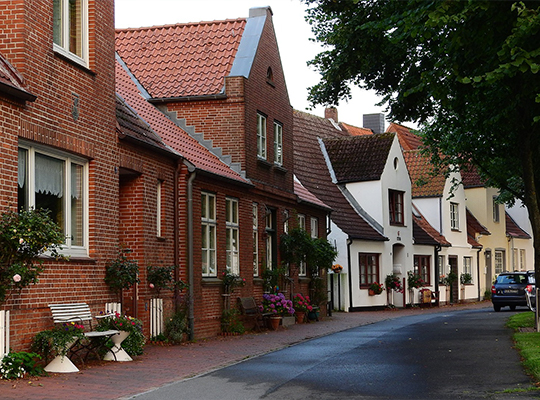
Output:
x=277 y=304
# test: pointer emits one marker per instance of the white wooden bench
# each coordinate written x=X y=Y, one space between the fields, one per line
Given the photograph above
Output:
x=80 y=313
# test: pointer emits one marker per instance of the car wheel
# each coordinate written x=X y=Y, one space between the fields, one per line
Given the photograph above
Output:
x=496 y=308
x=513 y=308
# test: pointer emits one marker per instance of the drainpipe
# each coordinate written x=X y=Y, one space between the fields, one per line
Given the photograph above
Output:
x=478 y=273
x=191 y=312
x=437 y=272
x=176 y=234
x=349 y=242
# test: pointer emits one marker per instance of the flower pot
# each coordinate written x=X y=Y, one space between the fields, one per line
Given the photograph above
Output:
x=117 y=353
x=371 y=292
x=61 y=363
x=300 y=315
x=274 y=323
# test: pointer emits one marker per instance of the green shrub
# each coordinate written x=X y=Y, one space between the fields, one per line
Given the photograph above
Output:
x=230 y=321
x=17 y=365
x=177 y=327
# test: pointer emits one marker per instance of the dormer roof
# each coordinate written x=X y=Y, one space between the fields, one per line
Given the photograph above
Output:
x=12 y=83
x=408 y=139
x=424 y=183
x=513 y=230
x=359 y=158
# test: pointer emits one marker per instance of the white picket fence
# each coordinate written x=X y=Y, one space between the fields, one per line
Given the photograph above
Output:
x=156 y=317
x=4 y=333
x=113 y=308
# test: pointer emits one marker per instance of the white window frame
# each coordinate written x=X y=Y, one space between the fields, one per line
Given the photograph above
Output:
x=499 y=261
x=68 y=248
x=302 y=221
x=261 y=136
x=208 y=232
x=314 y=227
x=232 y=236
x=278 y=143
x=467 y=265
x=454 y=216
x=496 y=211
x=159 y=189
x=63 y=48
x=522 y=259
x=255 y=208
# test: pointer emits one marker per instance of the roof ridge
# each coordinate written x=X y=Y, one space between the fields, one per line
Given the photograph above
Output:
x=155 y=27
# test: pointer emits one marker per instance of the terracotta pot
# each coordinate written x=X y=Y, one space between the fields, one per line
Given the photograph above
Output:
x=274 y=322
x=300 y=315
x=371 y=292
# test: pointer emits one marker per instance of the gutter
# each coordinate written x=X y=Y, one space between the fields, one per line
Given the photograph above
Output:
x=349 y=242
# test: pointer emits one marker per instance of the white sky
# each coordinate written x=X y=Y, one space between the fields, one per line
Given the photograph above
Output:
x=292 y=32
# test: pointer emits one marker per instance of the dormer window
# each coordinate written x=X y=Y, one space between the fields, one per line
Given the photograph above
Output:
x=270 y=75
x=70 y=29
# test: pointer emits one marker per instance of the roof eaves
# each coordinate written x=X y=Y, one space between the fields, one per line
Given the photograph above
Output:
x=358 y=208
x=141 y=88
x=158 y=100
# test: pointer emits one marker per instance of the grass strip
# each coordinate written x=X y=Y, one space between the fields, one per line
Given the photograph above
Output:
x=528 y=343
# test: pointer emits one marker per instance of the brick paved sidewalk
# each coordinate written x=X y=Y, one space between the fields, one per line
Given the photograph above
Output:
x=160 y=365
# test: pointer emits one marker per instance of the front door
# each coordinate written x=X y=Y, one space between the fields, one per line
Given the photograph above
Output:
x=454 y=290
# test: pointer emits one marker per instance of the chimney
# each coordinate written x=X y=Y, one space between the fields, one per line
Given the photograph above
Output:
x=375 y=122
x=331 y=113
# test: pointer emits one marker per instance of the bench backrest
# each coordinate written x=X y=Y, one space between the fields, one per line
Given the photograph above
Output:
x=249 y=305
x=75 y=312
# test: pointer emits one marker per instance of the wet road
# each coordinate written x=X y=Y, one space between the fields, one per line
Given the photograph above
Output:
x=459 y=355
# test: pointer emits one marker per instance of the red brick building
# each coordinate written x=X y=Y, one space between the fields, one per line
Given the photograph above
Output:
x=206 y=184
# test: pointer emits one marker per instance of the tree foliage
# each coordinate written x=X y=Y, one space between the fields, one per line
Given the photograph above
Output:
x=466 y=71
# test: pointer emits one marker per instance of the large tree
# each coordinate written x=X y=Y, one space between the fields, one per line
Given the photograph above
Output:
x=466 y=71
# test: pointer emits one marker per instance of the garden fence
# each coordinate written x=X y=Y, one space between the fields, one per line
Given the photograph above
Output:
x=156 y=317
x=4 y=333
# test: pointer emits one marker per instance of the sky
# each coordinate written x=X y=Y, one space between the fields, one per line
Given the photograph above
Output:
x=292 y=31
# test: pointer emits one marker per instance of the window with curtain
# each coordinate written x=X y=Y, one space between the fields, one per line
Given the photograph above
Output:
x=369 y=269
x=232 y=228
x=58 y=182
x=208 y=234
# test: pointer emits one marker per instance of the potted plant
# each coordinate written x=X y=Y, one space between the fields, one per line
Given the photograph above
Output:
x=414 y=281
x=231 y=281
x=375 y=289
x=393 y=282
x=302 y=305
x=121 y=273
x=465 y=279
x=129 y=342
x=58 y=341
x=277 y=306
x=337 y=268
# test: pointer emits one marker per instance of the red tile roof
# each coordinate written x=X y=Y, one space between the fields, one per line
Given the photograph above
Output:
x=311 y=169
x=12 y=83
x=355 y=131
x=423 y=182
x=169 y=132
x=514 y=230
x=407 y=138
x=474 y=227
x=306 y=196
x=471 y=178
x=183 y=59
x=359 y=158
x=424 y=233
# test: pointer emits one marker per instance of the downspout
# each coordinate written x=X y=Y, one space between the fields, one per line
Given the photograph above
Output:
x=191 y=311
x=437 y=272
x=478 y=272
x=349 y=242
x=176 y=234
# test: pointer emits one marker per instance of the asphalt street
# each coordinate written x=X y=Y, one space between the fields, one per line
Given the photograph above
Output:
x=457 y=355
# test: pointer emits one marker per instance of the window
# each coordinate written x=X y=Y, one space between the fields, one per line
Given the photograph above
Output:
x=278 y=143
x=522 y=260
x=302 y=221
x=56 y=181
x=314 y=228
x=396 y=207
x=495 y=209
x=514 y=259
x=369 y=269
x=158 y=208
x=421 y=268
x=271 y=242
x=231 y=218
x=454 y=216
x=261 y=136
x=208 y=234
x=286 y=217
x=255 y=208
x=70 y=29
x=499 y=261
x=467 y=265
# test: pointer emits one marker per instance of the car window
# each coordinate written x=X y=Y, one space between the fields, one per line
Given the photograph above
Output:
x=512 y=279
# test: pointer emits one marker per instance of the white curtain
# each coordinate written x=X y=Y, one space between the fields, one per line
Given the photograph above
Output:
x=49 y=175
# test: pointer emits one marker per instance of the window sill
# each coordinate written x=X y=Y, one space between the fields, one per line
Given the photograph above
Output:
x=280 y=169
x=73 y=60
x=258 y=281
x=304 y=279
x=264 y=163
x=271 y=83
x=161 y=239
x=211 y=281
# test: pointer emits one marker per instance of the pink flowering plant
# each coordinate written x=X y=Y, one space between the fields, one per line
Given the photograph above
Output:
x=302 y=303
x=393 y=282
x=277 y=304
x=135 y=342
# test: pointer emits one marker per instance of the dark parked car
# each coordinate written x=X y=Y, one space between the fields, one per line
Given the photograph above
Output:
x=512 y=289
